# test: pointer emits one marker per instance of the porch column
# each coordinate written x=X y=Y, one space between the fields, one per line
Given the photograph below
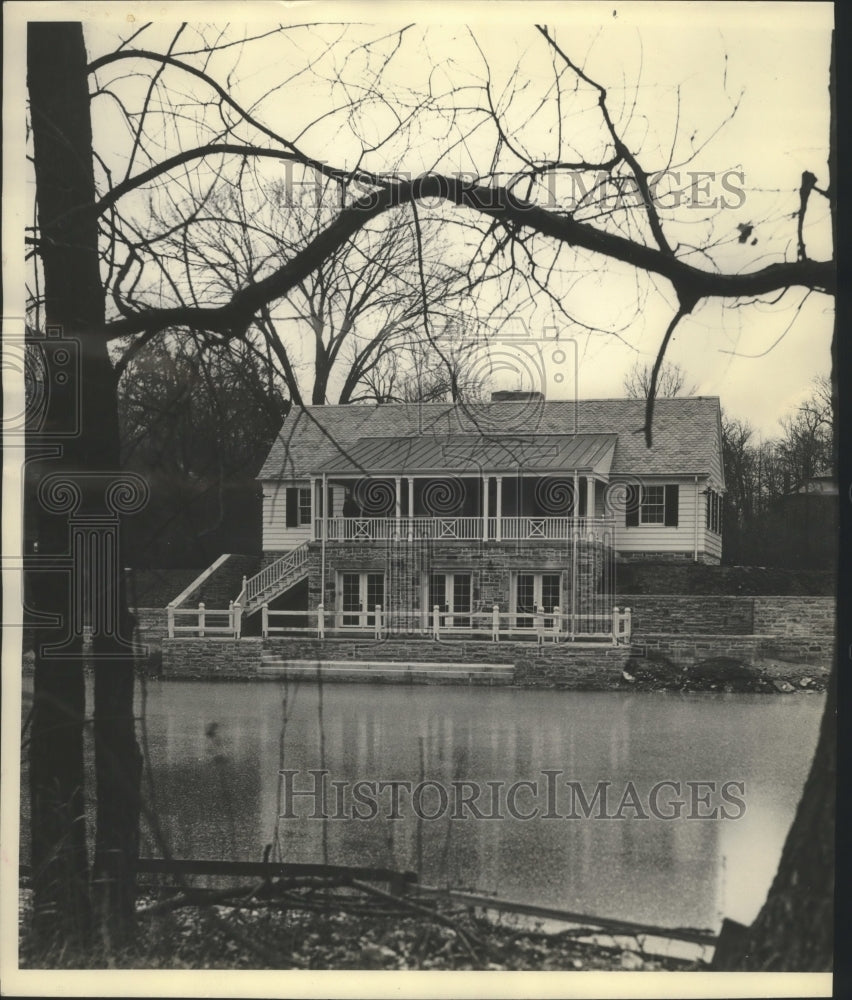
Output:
x=324 y=500
x=586 y=496
x=398 y=498
x=499 y=512
x=411 y=496
x=314 y=483
x=575 y=507
x=485 y=480
x=574 y=513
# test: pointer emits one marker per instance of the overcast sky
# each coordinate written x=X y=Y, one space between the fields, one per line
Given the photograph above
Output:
x=674 y=74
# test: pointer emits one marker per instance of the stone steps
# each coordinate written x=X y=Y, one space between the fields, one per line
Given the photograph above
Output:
x=388 y=671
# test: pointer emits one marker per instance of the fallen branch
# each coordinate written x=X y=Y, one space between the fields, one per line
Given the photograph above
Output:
x=466 y=937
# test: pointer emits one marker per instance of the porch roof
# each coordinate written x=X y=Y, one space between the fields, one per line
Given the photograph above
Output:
x=472 y=454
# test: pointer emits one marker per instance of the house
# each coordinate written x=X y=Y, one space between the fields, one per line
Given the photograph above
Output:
x=517 y=504
x=801 y=528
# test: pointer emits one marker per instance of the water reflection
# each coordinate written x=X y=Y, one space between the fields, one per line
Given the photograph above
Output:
x=215 y=751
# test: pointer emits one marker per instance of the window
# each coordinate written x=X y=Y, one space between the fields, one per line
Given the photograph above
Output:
x=536 y=590
x=451 y=592
x=360 y=593
x=713 y=512
x=304 y=505
x=298 y=502
x=653 y=507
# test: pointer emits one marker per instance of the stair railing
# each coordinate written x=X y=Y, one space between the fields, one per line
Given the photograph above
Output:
x=270 y=576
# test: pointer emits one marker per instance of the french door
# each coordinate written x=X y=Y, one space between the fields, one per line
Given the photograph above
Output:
x=534 y=590
x=452 y=594
x=361 y=592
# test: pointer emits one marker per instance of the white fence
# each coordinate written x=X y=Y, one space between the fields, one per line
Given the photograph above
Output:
x=205 y=621
x=552 y=626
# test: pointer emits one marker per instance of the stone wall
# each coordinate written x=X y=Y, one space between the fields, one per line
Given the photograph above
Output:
x=656 y=576
x=211 y=658
x=802 y=616
x=490 y=564
x=556 y=665
x=548 y=665
x=688 y=650
x=780 y=616
x=775 y=664
x=721 y=615
x=151 y=624
x=687 y=555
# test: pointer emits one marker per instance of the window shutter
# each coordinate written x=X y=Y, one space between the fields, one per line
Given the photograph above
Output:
x=633 y=499
x=330 y=501
x=292 y=498
x=672 y=501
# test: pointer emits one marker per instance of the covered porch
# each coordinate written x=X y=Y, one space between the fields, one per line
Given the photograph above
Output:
x=548 y=486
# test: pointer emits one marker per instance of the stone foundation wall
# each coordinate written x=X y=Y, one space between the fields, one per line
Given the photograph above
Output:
x=151 y=624
x=717 y=615
x=686 y=651
x=555 y=665
x=794 y=616
x=677 y=557
x=549 y=665
x=206 y=659
x=490 y=565
x=707 y=615
x=715 y=662
x=782 y=635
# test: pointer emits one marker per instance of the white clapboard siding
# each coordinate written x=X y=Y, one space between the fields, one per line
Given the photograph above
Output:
x=276 y=535
x=712 y=544
x=659 y=537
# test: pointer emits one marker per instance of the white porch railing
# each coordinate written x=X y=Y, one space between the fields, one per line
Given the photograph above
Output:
x=205 y=621
x=553 y=626
x=556 y=528
x=387 y=528
x=340 y=529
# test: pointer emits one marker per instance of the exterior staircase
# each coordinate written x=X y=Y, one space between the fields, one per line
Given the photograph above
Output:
x=274 y=579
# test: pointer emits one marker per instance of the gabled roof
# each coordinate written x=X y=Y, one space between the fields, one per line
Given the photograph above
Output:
x=347 y=439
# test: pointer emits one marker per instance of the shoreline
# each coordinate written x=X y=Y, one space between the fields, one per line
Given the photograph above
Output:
x=719 y=675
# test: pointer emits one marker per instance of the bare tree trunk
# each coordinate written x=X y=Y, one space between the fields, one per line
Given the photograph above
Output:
x=794 y=931
x=83 y=414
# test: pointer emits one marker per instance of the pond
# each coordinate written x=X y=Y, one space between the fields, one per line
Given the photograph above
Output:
x=701 y=788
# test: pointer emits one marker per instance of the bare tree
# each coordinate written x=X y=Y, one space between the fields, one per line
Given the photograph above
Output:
x=197 y=421
x=101 y=275
x=449 y=367
x=671 y=381
x=357 y=311
x=759 y=473
x=807 y=443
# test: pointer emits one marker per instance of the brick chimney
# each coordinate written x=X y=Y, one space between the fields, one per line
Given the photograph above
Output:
x=515 y=396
